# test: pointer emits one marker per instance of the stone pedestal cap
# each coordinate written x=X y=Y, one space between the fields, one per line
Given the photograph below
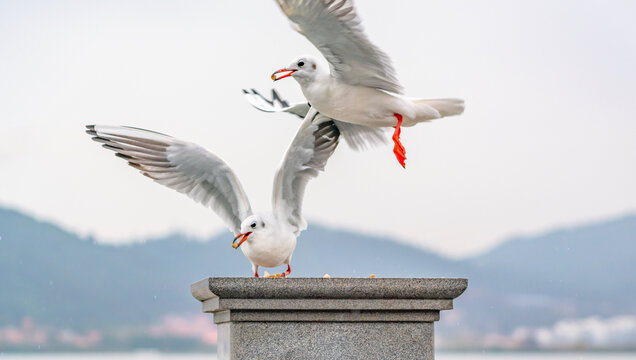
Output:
x=332 y=299
x=328 y=288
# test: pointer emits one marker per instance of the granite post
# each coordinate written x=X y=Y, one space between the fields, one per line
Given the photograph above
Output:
x=326 y=318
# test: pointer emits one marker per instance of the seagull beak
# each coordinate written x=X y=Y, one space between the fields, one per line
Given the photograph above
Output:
x=288 y=71
x=244 y=235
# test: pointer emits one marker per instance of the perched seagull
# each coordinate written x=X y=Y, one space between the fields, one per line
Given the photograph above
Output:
x=358 y=137
x=360 y=86
x=266 y=239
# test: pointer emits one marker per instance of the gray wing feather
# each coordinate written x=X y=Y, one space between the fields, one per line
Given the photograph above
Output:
x=333 y=26
x=276 y=104
x=185 y=167
x=315 y=141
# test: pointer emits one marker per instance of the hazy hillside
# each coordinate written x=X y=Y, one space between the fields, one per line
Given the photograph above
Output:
x=65 y=282
x=578 y=257
x=569 y=273
x=59 y=279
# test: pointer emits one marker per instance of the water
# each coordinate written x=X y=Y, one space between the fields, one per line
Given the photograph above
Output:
x=536 y=356
x=439 y=356
x=150 y=355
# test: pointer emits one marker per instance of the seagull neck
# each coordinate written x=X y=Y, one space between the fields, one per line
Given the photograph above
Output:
x=316 y=78
x=317 y=88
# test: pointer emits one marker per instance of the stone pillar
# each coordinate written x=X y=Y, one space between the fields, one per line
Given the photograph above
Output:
x=318 y=318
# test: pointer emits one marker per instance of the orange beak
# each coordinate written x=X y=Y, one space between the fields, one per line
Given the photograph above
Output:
x=288 y=71
x=244 y=235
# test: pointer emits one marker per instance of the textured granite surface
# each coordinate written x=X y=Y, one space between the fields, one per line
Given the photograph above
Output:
x=330 y=340
x=316 y=318
x=333 y=288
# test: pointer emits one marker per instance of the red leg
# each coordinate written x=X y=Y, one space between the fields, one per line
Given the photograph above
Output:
x=255 y=273
x=398 y=148
x=286 y=272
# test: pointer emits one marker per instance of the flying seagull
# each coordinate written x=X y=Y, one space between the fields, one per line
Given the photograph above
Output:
x=266 y=239
x=361 y=86
x=358 y=137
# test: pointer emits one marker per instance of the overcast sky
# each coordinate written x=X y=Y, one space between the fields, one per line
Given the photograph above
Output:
x=547 y=139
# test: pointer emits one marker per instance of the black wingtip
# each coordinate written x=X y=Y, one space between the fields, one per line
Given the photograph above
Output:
x=101 y=140
x=112 y=147
x=91 y=132
x=149 y=176
x=136 y=166
x=276 y=97
x=90 y=127
x=124 y=156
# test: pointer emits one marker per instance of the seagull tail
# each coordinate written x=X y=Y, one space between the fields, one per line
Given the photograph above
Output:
x=430 y=109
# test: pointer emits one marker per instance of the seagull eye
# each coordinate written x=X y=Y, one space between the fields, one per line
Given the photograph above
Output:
x=300 y=64
x=253 y=225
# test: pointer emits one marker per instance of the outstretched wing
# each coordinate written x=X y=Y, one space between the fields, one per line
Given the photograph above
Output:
x=276 y=104
x=185 y=167
x=358 y=137
x=334 y=28
x=315 y=141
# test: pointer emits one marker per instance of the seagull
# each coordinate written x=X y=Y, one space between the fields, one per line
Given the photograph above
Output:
x=361 y=86
x=358 y=137
x=266 y=239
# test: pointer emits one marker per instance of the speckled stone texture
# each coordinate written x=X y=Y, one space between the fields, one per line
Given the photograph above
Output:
x=316 y=318
x=330 y=340
x=332 y=288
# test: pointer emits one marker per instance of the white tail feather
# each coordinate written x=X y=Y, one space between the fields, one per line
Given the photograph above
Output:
x=430 y=109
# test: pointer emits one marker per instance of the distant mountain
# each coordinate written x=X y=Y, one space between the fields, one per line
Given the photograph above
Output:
x=60 y=280
x=589 y=259
x=569 y=273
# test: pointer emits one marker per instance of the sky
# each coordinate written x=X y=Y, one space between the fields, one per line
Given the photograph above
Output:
x=547 y=139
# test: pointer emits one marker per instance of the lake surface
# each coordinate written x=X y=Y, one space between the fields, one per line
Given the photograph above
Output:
x=439 y=356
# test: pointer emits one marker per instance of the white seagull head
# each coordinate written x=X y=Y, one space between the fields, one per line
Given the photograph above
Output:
x=304 y=69
x=250 y=229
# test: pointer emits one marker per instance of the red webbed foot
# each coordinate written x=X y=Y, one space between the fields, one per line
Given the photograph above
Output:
x=286 y=272
x=398 y=148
